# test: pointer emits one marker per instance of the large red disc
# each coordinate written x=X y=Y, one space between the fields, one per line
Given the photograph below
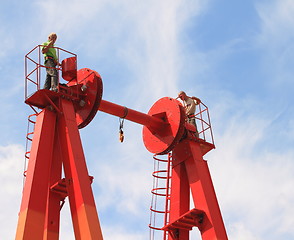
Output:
x=163 y=140
x=86 y=108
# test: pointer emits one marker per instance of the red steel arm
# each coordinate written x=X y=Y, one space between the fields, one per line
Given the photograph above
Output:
x=132 y=115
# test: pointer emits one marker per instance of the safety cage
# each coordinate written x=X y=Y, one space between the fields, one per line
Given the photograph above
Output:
x=35 y=70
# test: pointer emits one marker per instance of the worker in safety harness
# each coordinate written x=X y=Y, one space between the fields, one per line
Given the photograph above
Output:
x=190 y=107
x=51 y=61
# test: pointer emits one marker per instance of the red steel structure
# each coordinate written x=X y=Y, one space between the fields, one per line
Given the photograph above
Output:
x=56 y=144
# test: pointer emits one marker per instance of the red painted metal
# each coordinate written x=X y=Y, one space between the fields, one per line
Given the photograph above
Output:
x=160 y=196
x=162 y=141
x=89 y=87
x=179 y=200
x=35 y=69
x=203 y=123
x=32 y=214
x=56 y=143
x=82 y=204
x=69 y=69
x=152 y=122
x=84 y=87
x=51 y=228
x=163 y=125
x=190 y=171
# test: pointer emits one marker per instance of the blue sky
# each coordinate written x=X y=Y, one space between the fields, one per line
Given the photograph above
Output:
x=236 y=56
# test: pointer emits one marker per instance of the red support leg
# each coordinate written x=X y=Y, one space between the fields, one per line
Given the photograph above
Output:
x=82 y=204
x=203 y=193
x=56 y=195
x=190 y=171
x=32 y=213
x=180 y=200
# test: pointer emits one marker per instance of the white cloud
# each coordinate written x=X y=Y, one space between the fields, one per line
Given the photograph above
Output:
x=155 y=55
x=121 y=234
x=144 y=36
x=253 y=181
x=124 y=184
x=277 y=23
x=276 y=38
x=239 y=231
x=6 y=40
x=11 y=177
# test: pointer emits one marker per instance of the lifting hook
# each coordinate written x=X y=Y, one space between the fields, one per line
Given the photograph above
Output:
x=121 y=125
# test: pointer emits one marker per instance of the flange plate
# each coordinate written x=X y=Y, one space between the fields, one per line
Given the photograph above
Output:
x=161 y=141
x=91 y=83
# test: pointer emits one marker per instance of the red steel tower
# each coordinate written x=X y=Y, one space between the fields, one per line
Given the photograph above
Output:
x=56 y=145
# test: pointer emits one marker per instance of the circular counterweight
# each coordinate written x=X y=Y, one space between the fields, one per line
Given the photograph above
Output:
x=90 y=84
x=161 y=141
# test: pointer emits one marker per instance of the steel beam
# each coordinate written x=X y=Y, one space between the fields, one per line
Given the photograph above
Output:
x=188 y=155
x=32 y=215
x=52 y=224
x=179 y=198
x=83 y=210
x=132 y=115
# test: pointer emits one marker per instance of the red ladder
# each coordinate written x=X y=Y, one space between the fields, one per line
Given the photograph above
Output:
x=29 y=139
x=160 y=196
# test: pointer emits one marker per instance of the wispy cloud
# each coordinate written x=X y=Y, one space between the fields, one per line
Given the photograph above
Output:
x=276 y=38
x=252 y=179
x=276 y=22
x=122 y=234
x=144 y=38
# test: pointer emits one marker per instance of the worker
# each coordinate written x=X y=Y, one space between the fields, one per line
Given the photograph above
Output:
x=51 y=61
x=190 y=107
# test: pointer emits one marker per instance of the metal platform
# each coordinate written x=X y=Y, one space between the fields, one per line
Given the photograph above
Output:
x=42 y=98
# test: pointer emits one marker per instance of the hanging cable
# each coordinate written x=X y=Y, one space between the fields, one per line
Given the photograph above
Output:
x=121 y=125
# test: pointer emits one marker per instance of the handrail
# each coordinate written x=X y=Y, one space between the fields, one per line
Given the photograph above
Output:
x=33 y=67
x=202 y=117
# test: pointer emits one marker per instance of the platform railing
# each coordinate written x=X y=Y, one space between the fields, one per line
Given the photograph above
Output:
x=35 y=69
x=203 y=123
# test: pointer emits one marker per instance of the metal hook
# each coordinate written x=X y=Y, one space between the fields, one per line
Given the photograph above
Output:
x=121 y=132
